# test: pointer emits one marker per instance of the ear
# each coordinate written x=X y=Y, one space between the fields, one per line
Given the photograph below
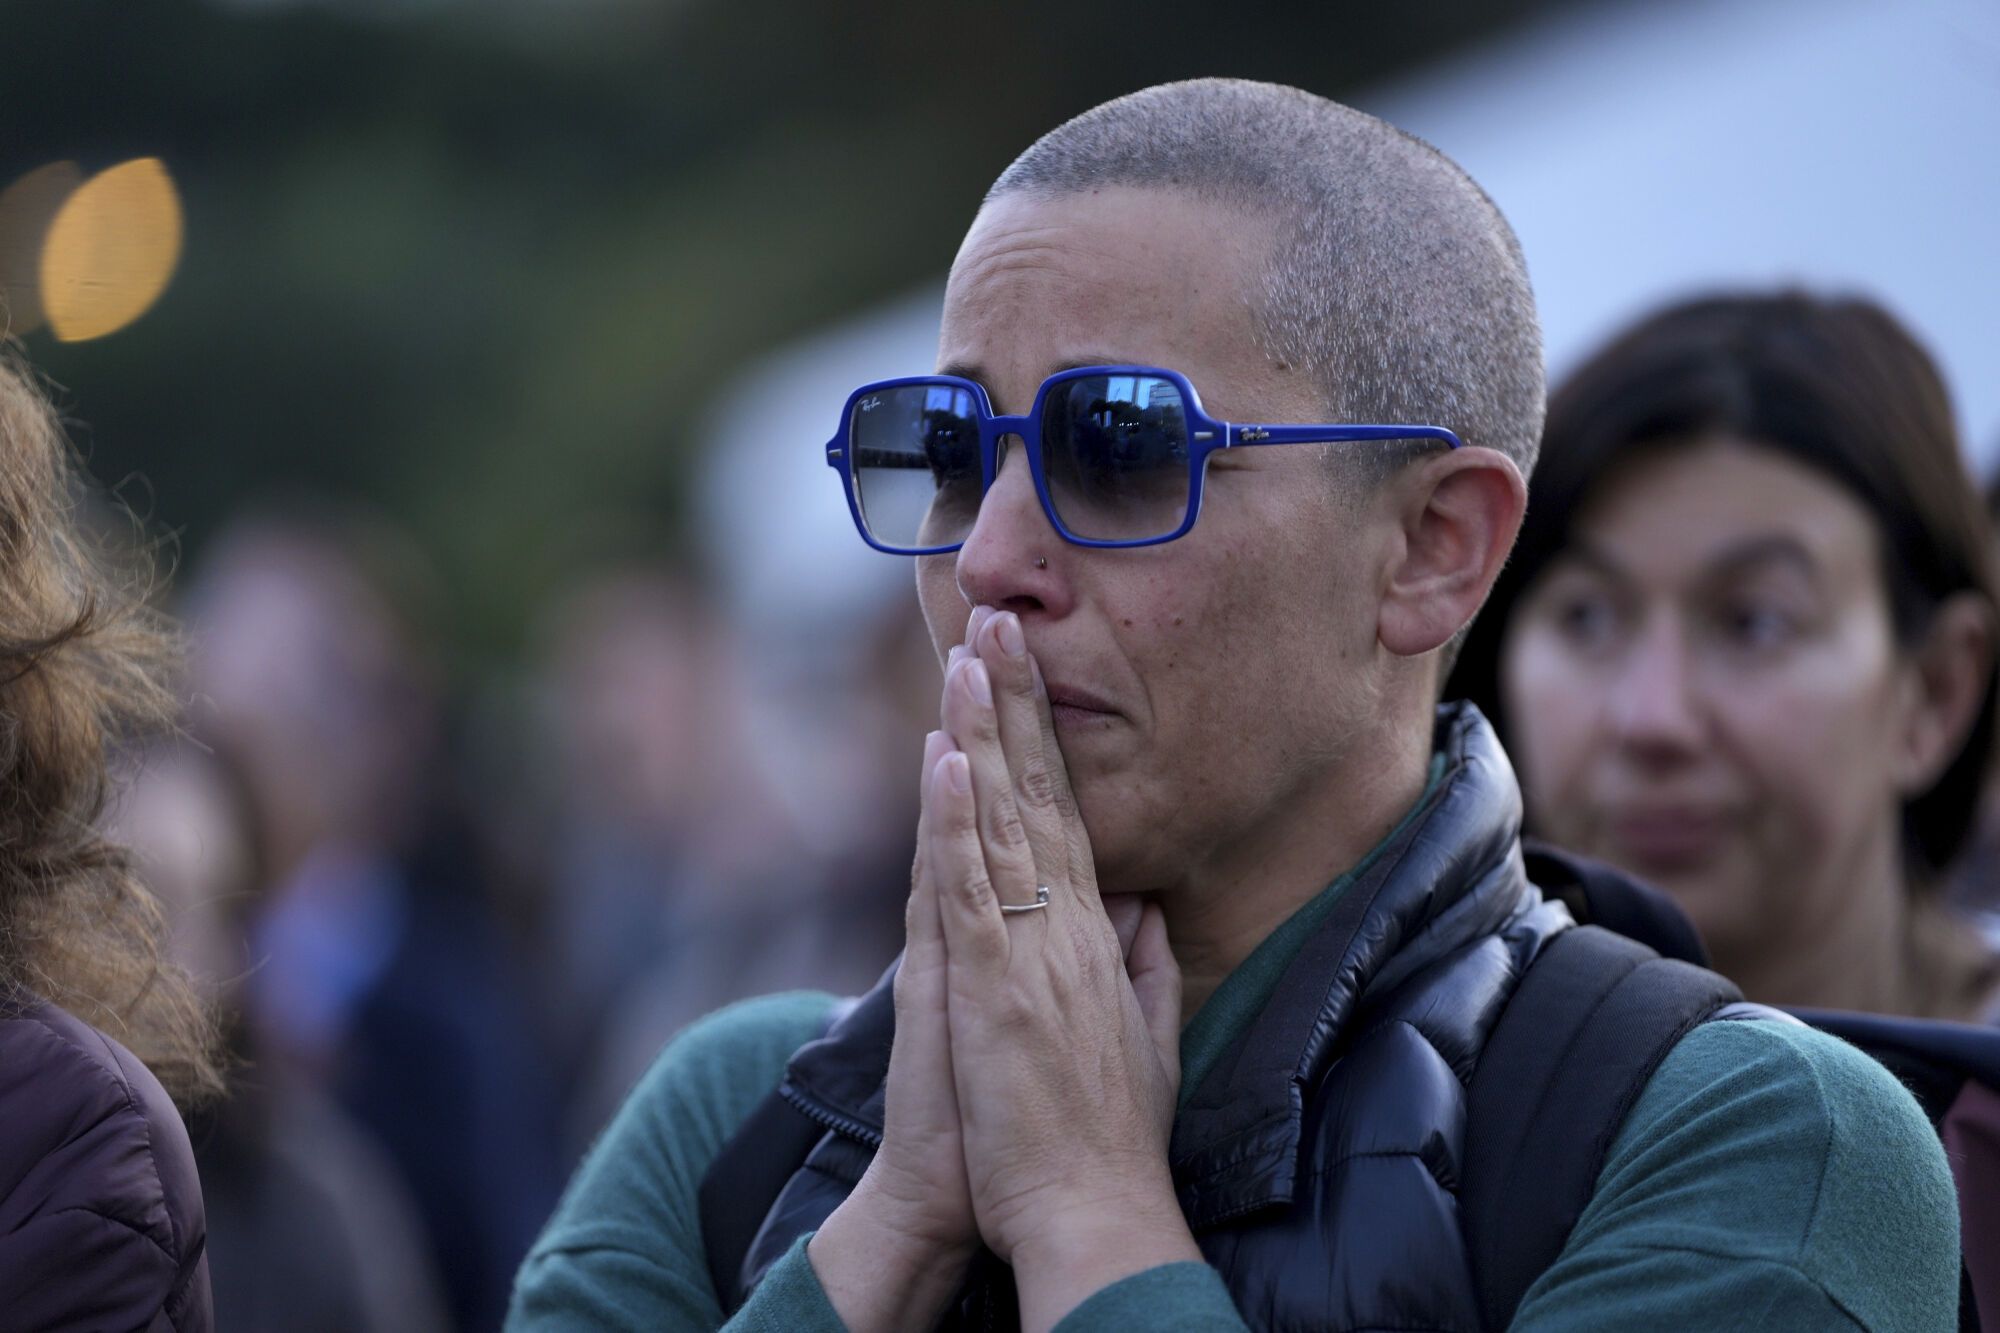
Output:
x=1458 y=513
x=1948 y=673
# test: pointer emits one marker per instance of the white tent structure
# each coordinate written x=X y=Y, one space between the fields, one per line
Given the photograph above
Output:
x=1645 y=151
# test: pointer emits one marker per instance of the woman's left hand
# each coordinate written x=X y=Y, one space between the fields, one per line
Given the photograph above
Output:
x=1065 y=1037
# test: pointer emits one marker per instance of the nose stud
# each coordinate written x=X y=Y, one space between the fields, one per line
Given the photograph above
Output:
x=1041 y=562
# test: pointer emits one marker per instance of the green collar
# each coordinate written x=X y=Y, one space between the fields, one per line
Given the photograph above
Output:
x=1245 y=991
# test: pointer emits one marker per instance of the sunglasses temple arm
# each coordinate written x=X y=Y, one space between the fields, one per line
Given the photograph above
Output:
x=1234 y=436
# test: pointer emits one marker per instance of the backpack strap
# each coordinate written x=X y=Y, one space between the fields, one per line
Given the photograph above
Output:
x=1933 y=1058
x=743 y=1182
x=1599 y=895
x=1585 y=1029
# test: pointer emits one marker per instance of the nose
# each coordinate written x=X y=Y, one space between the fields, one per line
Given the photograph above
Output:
x=1655 y=708
x=1013 y=560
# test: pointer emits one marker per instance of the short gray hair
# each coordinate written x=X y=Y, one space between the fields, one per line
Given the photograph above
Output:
x=1393 y=280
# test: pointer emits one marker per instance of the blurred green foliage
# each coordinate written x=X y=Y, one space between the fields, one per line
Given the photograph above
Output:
x=482 y=265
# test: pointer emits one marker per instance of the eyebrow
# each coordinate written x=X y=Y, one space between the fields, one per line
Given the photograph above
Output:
x=966 y=370
x=1777 y=549
x=1773 y=548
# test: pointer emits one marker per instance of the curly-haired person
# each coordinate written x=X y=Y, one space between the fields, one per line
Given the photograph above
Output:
x=101 y=1222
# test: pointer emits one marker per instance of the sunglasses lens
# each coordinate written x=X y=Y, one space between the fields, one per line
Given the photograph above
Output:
x=916 y=464
x=1116 y=451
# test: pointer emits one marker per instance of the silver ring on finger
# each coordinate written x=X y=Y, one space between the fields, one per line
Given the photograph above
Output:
x=1041 y=901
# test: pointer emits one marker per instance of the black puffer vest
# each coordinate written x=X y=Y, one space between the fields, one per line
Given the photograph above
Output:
x=1319 y=1163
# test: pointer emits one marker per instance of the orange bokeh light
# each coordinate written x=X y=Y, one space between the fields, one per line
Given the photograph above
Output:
x=110 y=250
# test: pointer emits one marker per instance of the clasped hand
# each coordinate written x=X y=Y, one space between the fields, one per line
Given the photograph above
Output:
x=1032 y=1083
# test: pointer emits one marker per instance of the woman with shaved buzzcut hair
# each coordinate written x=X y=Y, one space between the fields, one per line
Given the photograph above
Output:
x=101 y=1222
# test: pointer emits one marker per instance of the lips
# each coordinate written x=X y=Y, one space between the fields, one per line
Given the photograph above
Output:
x=1071 y=705
x=1667 y=838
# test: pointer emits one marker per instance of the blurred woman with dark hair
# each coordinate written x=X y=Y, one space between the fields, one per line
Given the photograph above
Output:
x=1975 y=881
x=101 y=1222
x=1745 y=648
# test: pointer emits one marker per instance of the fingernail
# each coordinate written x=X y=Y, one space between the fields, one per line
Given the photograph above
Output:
x=977 y=681
x=1009 y=634
x=978 y=618
x=958 y=772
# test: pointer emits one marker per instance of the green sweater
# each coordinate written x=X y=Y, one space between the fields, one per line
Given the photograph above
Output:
x=1769 y=1177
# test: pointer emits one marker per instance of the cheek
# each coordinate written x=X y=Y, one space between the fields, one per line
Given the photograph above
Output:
x=1552 y=701
x=1237 y=668
x=945 y=612
x=1818 y=741
x=1180 y=648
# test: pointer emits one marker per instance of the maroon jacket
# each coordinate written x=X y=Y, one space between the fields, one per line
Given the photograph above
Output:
x=101 y=1224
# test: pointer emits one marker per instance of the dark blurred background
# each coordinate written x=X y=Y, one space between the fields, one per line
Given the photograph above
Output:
x=485 y=263
x=541 y=695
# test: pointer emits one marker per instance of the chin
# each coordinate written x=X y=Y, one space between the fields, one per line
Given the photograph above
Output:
x=1114 y=873
x=1720 y=910
x=1119 y=870
x=1133 y=847
x=1141 y=866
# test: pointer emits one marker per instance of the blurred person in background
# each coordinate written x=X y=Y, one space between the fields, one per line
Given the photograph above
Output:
x=101 y=1218
x=1975 y=881
x=679 y=882
x=1745 y=647
x=1745 y=650
x=1205 y=776
x=379 y=969
x=627 y=706
x=314 y=1228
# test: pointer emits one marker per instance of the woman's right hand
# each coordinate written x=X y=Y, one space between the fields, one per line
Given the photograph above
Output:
x=893 y=1255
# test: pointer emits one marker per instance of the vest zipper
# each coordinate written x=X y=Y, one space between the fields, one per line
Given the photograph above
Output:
x=833 y=1120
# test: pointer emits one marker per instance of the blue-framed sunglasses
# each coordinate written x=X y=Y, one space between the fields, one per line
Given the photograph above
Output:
x=1117 y=454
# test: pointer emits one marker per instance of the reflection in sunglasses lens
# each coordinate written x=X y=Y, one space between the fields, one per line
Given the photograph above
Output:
x=916 y=464
x=1116 y=451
